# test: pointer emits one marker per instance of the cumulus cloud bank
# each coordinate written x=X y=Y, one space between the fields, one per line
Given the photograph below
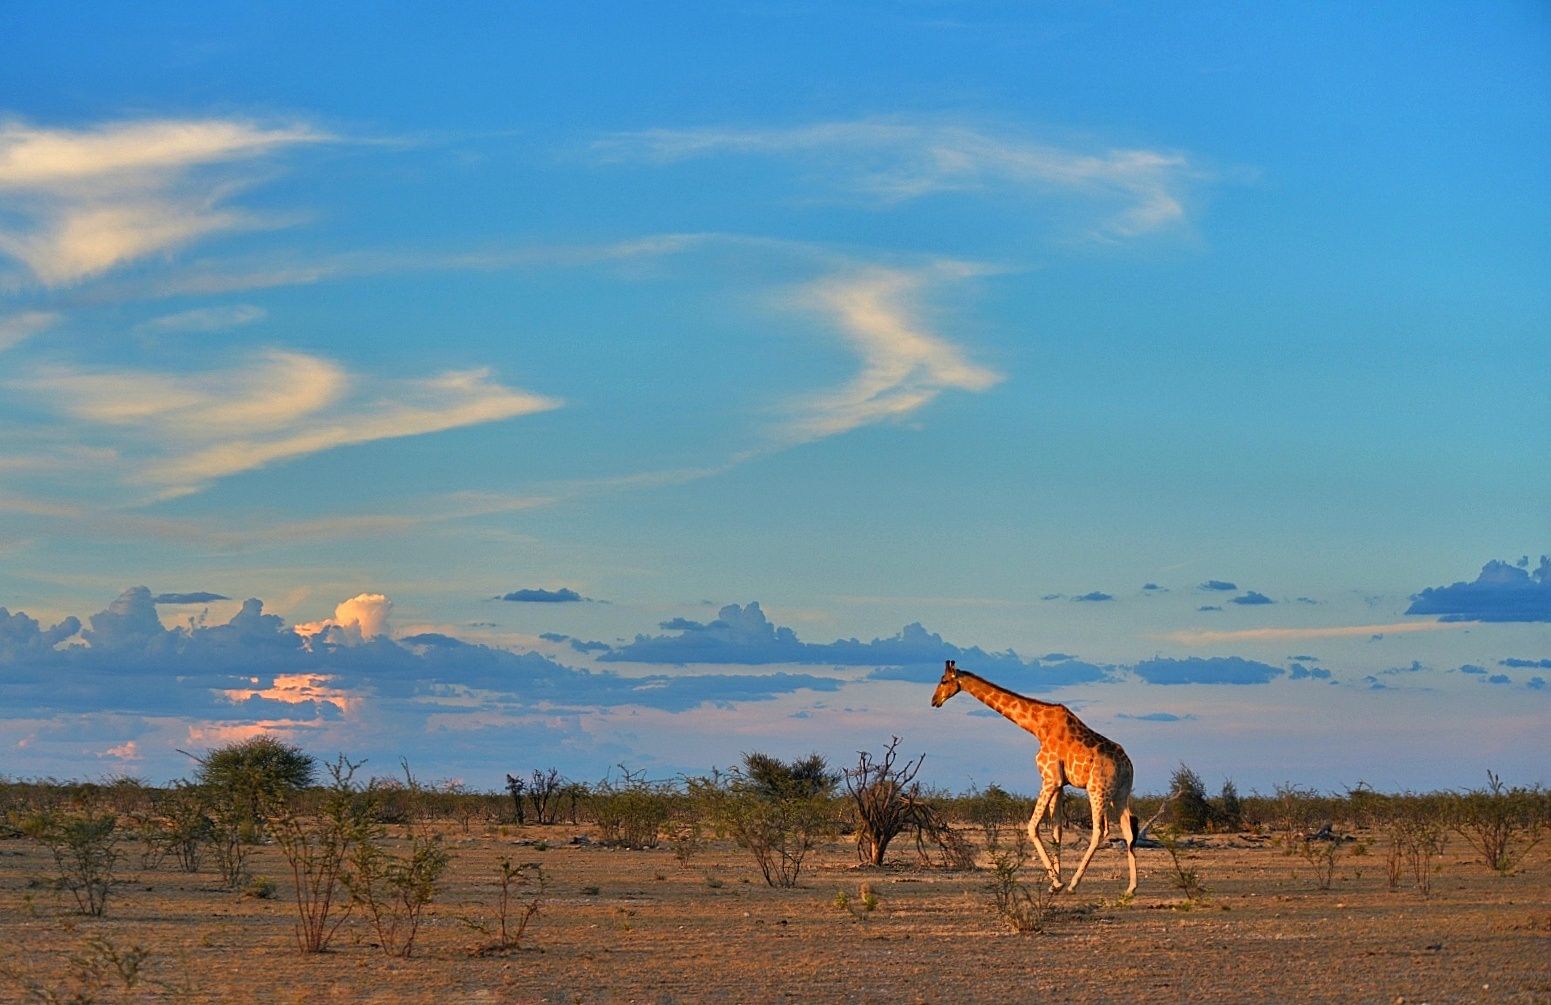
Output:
x=1501 y=592
x=256 y=668
x=744 y=635
x=359 y=619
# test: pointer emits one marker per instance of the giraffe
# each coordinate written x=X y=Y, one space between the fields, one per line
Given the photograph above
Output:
x=1069 y=754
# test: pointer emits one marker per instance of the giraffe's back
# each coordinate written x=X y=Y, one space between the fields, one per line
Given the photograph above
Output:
x=1093 y=762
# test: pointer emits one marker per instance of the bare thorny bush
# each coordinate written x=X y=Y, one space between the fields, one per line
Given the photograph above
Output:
x=317 y=846
x=85 y=847
x=393 y=890
x=1322 y=852
x=1413 y=830
x=886 y=800
x=338 y=851
x=1024 y=907
x=513 y=913
x=1186 y=878
x=1502 y=824
x=97 y=972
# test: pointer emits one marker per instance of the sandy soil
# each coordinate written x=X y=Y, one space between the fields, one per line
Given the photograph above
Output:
x=623 y=926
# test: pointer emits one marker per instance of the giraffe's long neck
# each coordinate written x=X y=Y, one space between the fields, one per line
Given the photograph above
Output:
x=1026 y=712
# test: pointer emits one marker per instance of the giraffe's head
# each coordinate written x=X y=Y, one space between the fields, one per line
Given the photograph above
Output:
x=948 y=686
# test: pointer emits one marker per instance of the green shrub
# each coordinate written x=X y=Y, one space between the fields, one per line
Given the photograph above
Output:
x=630 y=811
x=1500 y=823
x=85 y=849
x=256 y=773
x=317 y=847
x=991 y=809
x=394 y=890
x=1189 y=812
x=1022 y=907
x=778 y=812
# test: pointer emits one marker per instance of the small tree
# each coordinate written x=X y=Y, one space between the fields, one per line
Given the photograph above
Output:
x=255 y=774
x=778 y=779
x=544 y=789
x=516 y=788
x=1227 y=810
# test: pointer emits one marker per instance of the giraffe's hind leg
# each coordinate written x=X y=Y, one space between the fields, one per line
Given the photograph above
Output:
x=1098 y=803
x=1128 y=828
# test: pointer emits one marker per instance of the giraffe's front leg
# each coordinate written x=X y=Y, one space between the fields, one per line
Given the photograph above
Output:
x=1055 y=834
x=1047 y=795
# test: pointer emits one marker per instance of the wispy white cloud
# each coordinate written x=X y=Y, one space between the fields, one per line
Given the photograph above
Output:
x=204 y=278
x=1206 y=638
x=177 y=432
x=17 y=327
x=894 y=160
x=205 y=319
x=92 y=199
x=904 y=365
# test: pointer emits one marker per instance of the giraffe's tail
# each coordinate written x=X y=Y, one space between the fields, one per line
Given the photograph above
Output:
x=1129 y=827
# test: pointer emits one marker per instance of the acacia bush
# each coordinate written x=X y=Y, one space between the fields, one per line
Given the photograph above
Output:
x=511 y=924
x=1023 y=907
x=1414 y=830
x=85 y=847
x=630 y=811
x=991 y=809
x=317 y=846
x=394 y=889
x=1502 y=824
x=776 y=811
x=1192 y=811
x=255 y=774
x=181 y=825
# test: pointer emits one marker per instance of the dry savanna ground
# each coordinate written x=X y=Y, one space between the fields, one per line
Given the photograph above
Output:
x=636 y=926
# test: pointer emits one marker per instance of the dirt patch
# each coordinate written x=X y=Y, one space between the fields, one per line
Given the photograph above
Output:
x=623 y=926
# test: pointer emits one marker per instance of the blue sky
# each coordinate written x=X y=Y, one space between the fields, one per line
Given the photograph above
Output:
x=1171 y=362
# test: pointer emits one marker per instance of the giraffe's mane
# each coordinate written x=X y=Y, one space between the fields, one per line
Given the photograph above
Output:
x=1009 y=691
